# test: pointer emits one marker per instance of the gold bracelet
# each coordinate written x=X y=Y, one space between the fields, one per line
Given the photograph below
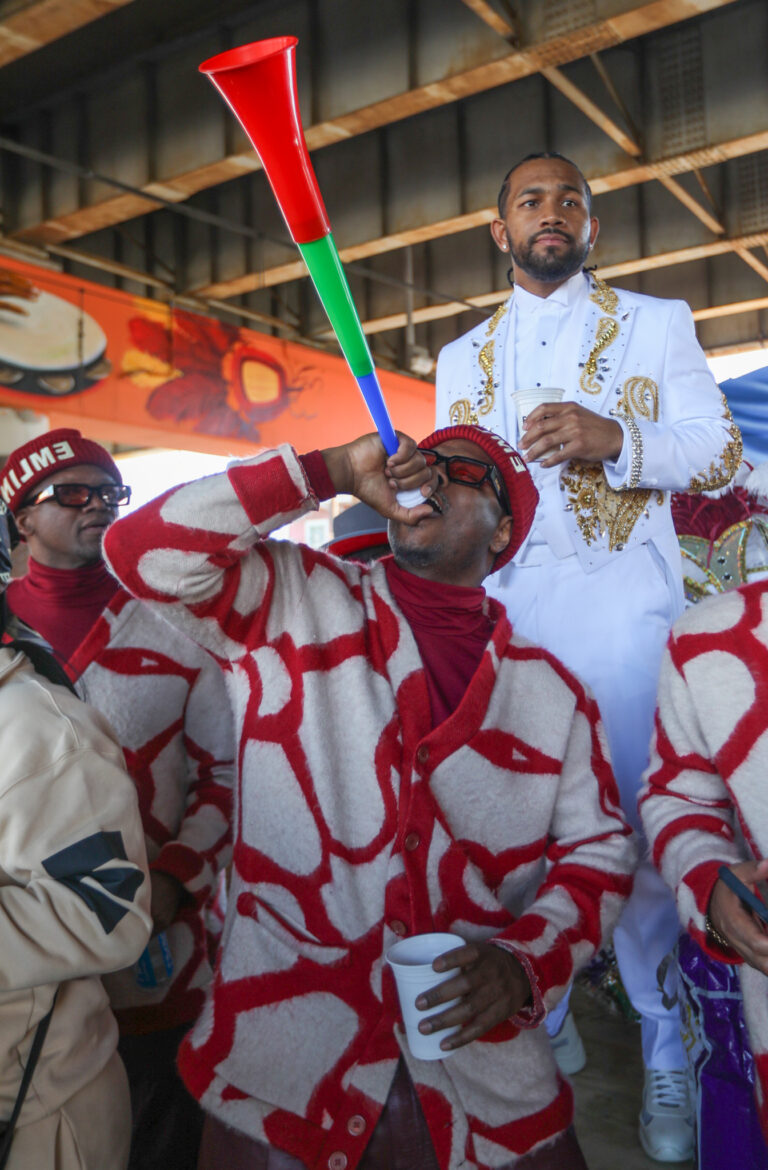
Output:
x=716 y=935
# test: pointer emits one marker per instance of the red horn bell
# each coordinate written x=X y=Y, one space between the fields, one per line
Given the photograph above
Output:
x=258 y=82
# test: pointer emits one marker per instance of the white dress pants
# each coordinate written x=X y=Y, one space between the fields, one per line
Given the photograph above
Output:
x=610 y=628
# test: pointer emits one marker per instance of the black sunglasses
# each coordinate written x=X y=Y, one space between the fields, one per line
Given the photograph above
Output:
x=471 y=473
x=79 y=495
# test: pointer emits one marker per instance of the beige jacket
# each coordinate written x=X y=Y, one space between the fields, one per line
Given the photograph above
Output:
x=74 y=893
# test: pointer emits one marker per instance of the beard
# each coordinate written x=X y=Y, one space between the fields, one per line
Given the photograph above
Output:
x=411 y=555
x=550 y=264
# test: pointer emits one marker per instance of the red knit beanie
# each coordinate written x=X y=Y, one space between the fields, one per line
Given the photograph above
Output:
x=34 y=461
x=521 y=492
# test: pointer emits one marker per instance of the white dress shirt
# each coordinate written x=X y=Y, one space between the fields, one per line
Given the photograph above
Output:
x=546 y=333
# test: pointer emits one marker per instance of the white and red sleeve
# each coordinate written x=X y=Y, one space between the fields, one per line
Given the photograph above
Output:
x=686 y=809
x=202 y=847
x=591 y=857
x=196 y=551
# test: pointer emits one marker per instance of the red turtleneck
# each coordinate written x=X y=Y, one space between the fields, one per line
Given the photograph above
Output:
x=61 y=604
x=449 y=622
x=451 y=629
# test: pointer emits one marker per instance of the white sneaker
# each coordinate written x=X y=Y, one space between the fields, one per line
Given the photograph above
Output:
x=567 y=1047
x=666 y=1121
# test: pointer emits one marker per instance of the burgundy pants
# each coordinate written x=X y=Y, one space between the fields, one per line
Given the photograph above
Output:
x=400 y=1141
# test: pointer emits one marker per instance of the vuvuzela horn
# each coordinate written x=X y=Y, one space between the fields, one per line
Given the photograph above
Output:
x=258 y=82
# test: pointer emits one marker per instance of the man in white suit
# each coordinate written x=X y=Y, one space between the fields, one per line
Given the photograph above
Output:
x=598 y=580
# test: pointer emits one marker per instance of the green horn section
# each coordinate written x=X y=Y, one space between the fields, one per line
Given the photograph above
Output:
x=322 y=259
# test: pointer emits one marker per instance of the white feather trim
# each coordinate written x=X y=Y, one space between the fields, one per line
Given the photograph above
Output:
x=757 y=483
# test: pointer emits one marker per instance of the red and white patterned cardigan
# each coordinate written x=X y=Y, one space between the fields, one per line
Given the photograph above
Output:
x=167 y=702
x=705 y=800
x=356 y=823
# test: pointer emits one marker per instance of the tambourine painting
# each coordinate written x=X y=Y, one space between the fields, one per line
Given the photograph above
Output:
x=48 y=346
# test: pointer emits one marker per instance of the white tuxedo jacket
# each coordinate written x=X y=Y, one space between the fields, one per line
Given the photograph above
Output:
x=640 y=362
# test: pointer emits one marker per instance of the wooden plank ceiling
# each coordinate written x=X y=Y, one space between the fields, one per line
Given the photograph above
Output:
x=25 y=27
x=513 y=60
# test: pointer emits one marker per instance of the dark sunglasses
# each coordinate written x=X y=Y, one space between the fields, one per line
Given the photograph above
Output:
x=79 y=495
x=470 y=472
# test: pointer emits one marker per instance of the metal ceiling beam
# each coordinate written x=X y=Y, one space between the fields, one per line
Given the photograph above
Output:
x=72 y=168
x=693 y=205
x=42 y=21
x=501 y=24
x=396 y=320
x=629 y=142
x=189 y=212
x=600 y=184
x=614 y=94
x=608 y=272
x=165 y=290
x=730 y=310
x=579 y=99
x=419 y=316
x=549 y=53
x=753 y=262
x=682 y=255
x=630 y=145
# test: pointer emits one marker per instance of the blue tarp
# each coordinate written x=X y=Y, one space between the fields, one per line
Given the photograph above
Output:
x=748 y=399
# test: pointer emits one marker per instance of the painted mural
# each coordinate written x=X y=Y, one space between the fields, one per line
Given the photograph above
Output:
x=141 y=372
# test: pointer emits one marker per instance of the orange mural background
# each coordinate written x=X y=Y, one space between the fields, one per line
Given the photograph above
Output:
x=133 y=371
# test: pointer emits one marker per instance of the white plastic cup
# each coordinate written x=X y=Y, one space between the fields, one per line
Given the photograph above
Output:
x=526 y=401
x=411 y=962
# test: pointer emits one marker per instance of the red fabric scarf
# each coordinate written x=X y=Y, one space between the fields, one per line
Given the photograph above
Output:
x=451 y=629
x=449 y=622
x=61 y=604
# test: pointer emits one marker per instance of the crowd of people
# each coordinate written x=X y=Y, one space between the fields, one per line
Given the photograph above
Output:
x=444 y=727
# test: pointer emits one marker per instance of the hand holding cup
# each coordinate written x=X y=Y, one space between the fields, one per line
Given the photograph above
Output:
x=474 y=987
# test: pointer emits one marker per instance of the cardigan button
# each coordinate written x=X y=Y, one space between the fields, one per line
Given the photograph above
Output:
x=422 y=755
x=398 y=927
x=338 y=1161
x=412 y=841
x=356 y=1125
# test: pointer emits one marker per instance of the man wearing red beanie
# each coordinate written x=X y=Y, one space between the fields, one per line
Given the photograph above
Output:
x=44 y=485
x=167 y=703
x=407 y=765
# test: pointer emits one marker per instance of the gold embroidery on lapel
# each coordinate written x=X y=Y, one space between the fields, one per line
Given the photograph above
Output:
x=462 y=412
x=493 y=322
x=485 y=360
x=721 y=470
x=606 y=333
x=604 y=296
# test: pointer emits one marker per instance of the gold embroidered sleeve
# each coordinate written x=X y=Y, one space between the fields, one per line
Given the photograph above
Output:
x=722 y=470
x=600 y=511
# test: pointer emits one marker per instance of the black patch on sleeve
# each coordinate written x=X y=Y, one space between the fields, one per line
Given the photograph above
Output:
x=85 y=859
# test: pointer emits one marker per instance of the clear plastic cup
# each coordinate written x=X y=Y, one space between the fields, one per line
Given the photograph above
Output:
x=526 y=401
x=411 y=963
